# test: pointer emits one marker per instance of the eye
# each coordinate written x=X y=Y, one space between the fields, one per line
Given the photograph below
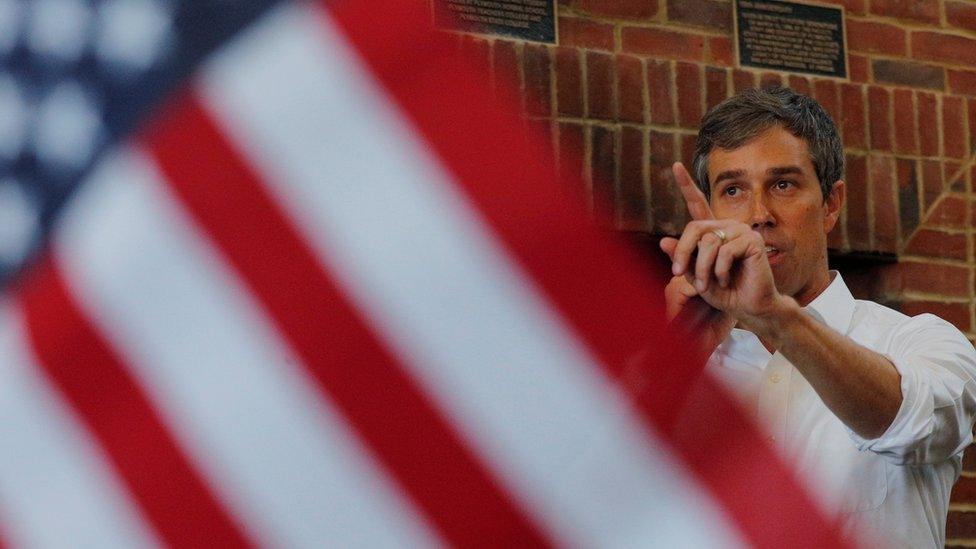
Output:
x=783 y=184
x=731 y=190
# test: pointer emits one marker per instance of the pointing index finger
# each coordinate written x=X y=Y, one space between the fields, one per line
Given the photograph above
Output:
x=697 y=204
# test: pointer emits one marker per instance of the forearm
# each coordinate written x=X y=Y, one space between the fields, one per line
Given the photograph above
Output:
x=861 y=387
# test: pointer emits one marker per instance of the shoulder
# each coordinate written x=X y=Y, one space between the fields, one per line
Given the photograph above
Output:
x=900 y=333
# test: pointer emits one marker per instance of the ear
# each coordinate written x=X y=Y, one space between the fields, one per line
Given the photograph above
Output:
x=833 y=205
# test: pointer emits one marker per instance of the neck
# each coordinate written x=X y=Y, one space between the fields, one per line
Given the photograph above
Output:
x=814 y=289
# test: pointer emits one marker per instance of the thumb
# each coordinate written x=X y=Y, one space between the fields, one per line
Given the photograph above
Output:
x=668 y=245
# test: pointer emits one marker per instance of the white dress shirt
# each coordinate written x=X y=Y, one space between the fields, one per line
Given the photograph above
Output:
x=897 y=485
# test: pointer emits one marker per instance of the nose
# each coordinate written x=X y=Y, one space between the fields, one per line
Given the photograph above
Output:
x=760 y=216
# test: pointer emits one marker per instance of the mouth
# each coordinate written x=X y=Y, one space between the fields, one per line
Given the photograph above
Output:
x=773 y=255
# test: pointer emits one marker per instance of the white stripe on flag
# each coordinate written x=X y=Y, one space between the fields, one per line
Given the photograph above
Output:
x=229 y=389
x=421 y=266
x=57 y=488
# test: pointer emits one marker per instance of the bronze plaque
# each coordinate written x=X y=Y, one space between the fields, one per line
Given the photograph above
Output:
x=789 y=36
x=524 y=19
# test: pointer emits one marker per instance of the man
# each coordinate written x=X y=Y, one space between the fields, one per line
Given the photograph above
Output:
x=865 y=401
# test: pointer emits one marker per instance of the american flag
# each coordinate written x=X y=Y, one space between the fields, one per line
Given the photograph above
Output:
x=305 y=284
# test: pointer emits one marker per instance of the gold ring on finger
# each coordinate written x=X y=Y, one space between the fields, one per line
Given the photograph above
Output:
x=720 y=234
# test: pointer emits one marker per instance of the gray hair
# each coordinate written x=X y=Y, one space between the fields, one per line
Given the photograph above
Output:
x=738 y=119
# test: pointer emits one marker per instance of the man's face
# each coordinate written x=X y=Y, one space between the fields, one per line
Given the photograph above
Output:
x=770 y=184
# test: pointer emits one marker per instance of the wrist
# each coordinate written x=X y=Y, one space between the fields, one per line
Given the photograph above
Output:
x=770 y=324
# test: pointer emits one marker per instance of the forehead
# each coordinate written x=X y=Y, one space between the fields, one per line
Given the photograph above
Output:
x=773 y=148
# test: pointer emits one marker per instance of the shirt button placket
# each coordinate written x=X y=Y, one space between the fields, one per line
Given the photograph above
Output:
x=774 y=397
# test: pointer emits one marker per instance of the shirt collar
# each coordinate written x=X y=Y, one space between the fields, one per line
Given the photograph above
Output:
x=835 y=305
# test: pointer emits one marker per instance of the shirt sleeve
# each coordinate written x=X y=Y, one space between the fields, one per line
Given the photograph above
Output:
x=937 y=366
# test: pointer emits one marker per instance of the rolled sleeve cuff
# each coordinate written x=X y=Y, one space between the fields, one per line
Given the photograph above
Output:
x=899 y=436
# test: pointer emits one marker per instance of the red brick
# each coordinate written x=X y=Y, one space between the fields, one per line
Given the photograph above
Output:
x=969 y=458
x=743 y=80
x=603 y=163
x=858 y=68
x=505 y=65
x=971 y=111
x=950 y=212
x=927 y=277
x=720 y=51
x=925 y=11
x=879 y=112
x=928 y=125
x=909 y=210
x=569 y=82
x=852 y=119
x=716 y=86
x=800 y=84
x=701 y=13
x=932 y=186
x=961 y=14
x=689 y=84
x=908 y=73
x=858 y=230
x=940 y=46
x=958 y=315
x=961 y=524
x=906 y=141
x=875 y=37
x=825 y=92
x=770 y=80
x=954 y=176
x=618 y=9
x=688 y=142
x=543 y=131
x=599 y=85
x=964 y=490
x=662 y=43
x=962 y=82
x=665 y=203
x=630 y=87
x=632 y=200
x=571 y=148
x=883 y=192
x=934 y=243
x=855 y=7
x=538 y=84
x=476 y=49
x=659 y=88
x=954 y=126
x=585 y=33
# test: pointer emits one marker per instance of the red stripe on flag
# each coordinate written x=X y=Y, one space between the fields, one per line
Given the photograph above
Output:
x=94 y=380
x=595 y=283
x=358 y=373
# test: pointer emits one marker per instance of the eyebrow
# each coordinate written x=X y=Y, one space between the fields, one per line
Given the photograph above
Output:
x=784 y=170
x=779 y=170
x=729 y=174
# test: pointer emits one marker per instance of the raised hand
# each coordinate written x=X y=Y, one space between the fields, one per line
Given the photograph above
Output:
x=723 y=260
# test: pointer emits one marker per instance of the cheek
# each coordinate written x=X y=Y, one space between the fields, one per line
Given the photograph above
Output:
x=733 y=211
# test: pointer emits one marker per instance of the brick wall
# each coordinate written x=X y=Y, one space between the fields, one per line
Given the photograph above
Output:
x=626 y=85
